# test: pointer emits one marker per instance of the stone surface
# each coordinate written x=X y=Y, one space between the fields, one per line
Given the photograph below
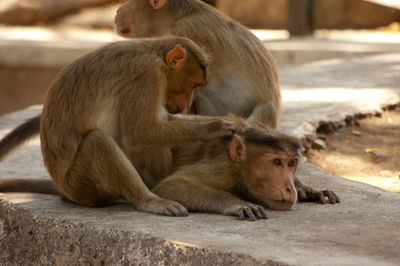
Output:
x=362 y=230
x=333 y=89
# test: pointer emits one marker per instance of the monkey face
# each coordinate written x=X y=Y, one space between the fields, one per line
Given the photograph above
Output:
x=184 y=76
x=269 y=178
x=136 y=18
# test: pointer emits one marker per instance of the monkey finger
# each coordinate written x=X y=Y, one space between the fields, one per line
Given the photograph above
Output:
x=322 y=199
x=182 y=210
x=256 y=212
x=250 y=215
x=301 y=194
x=174 y=210
x=332 y=197
x=241 y=214
x=263 y=212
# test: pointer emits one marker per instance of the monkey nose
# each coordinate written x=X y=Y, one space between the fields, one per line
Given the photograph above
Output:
x=125 y=30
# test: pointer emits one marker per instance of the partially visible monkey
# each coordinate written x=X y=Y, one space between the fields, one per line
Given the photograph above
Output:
x=241 y=176
x=106 y=121
x=243 y=77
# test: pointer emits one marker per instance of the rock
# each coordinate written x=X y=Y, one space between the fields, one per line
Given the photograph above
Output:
x=356 y=133
x=380 y=154
x=325 y=127
x=386 y=173
x=318 y=144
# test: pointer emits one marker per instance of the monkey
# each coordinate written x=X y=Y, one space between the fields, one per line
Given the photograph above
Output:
x=242 y=176
x=110 y=118
x=243 y=77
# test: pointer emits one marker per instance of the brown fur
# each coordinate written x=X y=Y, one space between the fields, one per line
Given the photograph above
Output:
x=239 y=177
x=104 y=123
x=243 y=78
x=18 y=136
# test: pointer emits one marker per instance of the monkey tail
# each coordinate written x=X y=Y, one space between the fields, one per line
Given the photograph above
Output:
x=42 y=186
x=19 y=135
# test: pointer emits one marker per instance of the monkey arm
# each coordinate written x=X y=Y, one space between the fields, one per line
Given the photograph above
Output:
x=306 y=193
x=203 y=198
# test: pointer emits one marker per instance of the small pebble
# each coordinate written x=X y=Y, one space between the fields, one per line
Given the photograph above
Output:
x=386 y=173
x=380 y=154
x=356 y=133
x=319 y=144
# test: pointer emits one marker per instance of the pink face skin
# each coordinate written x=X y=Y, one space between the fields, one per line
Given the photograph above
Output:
x=270 y=179
x=135 y=19
x=179 y=101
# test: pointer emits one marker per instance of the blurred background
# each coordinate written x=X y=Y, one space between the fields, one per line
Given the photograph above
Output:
x=39 y=37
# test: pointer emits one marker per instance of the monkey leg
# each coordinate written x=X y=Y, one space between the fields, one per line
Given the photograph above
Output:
x=101 y=173
x=306 y=193
x=266 y=114
x=203 y=198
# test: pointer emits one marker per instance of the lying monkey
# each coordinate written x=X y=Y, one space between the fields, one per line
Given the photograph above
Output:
x=256 y=168
x=241 y=176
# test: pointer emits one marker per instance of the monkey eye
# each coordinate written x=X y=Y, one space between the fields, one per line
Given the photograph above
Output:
x=292 y=163
x=277 y=162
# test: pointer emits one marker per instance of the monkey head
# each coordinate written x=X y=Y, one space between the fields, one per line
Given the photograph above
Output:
x=185 y=73
x=268 y=163
x=141 y=18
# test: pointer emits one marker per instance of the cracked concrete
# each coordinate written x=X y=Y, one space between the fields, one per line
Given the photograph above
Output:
x=362 y=230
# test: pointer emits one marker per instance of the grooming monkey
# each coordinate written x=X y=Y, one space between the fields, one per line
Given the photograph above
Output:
x=107 y=121
x=243 y=77
x=255 y=169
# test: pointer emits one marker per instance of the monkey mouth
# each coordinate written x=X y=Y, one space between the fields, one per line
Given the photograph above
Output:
x=280 y=205
x=125 y=30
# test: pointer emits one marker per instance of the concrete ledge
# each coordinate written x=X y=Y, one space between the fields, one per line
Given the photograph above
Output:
x=362 y=230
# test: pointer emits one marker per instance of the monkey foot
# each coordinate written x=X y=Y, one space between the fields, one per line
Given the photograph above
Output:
x=164 y=207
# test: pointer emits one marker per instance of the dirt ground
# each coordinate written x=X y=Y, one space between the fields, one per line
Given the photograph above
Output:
x=367 y=151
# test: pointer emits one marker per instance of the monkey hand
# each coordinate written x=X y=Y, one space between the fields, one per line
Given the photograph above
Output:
x=305 y=193
x=166 y=207
x=219 y=128
x=246 y=211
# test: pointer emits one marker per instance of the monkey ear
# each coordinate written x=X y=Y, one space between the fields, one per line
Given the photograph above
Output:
x=237 y=149
x=157 y=4
x=176 y=57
